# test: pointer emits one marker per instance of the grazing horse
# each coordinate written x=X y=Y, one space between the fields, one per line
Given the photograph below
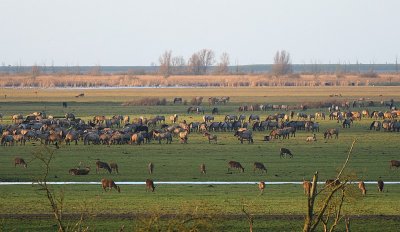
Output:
x=254 y=117
x=284 y=152
x=126 y=119
x=231 y=118
x=376 y=125
x=99 y=119
x=71 y=136
x=17 y=117
x=330 y=132
x=183 y=136
x=174 y=118
x=7 y=139
x=208 y=118
x=365 y=113
x=319 y=115
x=177 y=100
x=152 y=122
x=244 y=135
x=163 y=136
x=137 y=138
x=347 y=122
x=91 y=136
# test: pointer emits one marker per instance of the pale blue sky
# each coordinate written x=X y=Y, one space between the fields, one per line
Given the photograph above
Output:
x=116 y=32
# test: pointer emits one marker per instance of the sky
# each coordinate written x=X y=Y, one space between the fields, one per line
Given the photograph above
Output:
x=134 y=33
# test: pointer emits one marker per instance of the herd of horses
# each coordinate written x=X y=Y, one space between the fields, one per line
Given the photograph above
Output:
x=120 y=129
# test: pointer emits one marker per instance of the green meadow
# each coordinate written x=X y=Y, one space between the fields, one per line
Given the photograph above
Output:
x=279 y=208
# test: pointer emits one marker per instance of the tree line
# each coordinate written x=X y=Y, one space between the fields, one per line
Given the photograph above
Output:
x=200 y=63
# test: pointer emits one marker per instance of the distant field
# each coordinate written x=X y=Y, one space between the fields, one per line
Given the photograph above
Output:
x=239 y=94
x=180 y=162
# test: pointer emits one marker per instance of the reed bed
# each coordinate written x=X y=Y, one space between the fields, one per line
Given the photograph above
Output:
x=92 y=81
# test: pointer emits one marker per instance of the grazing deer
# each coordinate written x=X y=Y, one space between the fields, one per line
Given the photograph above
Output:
x=307 y=187
x=285 y=152
x=203 y=169
x=109 y=184
x=261 y=187
x=20 y=161
x=235 y=165
x=150 y=168
x=259 y=166
x=114 y=167
x=211 y=137
x=380 y=185
x=361 y=186
x=150 y=185
x=104 y=165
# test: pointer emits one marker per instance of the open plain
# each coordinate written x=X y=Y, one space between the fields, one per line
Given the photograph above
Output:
x=214 y=207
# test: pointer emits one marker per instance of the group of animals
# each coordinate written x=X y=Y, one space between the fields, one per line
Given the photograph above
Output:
x=109 y=184
x=101 y=130
x=120 y=129
x=307 y=185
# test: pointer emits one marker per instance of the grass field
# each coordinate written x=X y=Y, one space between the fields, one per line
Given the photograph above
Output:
x=180 y=162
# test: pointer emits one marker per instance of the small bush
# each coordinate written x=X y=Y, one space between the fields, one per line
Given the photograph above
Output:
x=147 y=101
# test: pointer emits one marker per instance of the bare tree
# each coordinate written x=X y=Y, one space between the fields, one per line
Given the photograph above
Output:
x=249 y=218
x=222 y=67
x=194 y=64
x=327 y=209
x=207 y=58
x=46 y=155
x=200 y=62
x=282 y=63
x=35 y=70
x=165 y=63
x=94 y=71
x=178 y=65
